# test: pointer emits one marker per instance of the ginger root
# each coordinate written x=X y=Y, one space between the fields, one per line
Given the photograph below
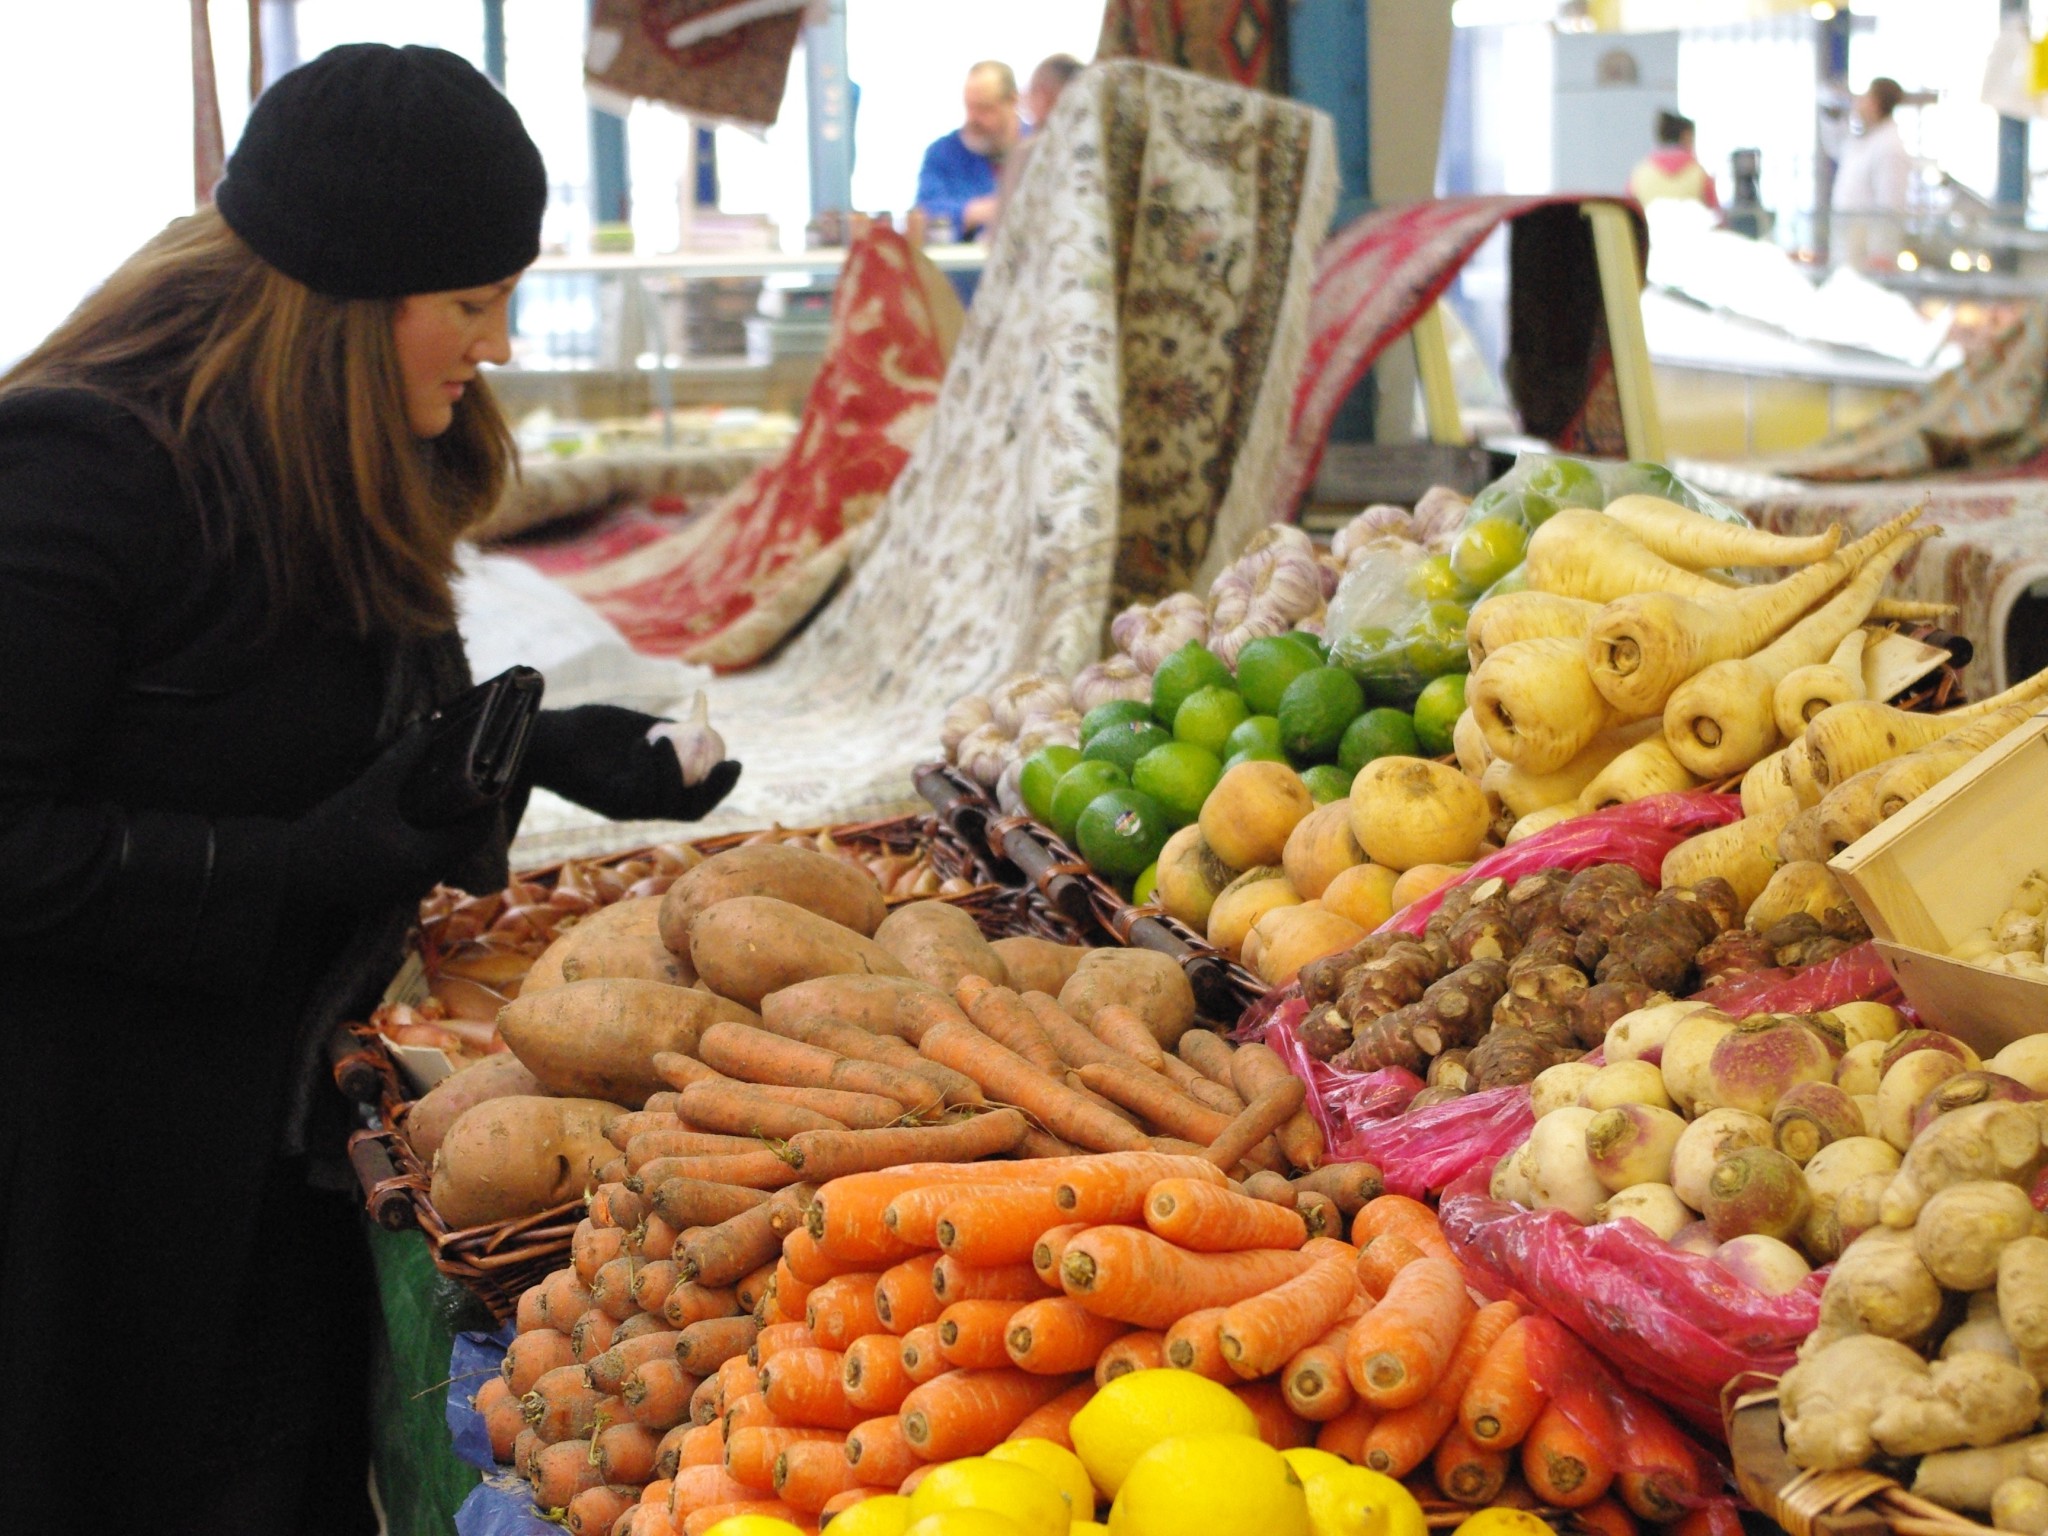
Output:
x=1972 y=1398
x=1880 y=1286
x=1999 y=1140
x=1966 y=1480
x=2020 y=1504
x=2023 y=1292
x=1829 y=1401
x=1962 y=1230
x=1981 y=1329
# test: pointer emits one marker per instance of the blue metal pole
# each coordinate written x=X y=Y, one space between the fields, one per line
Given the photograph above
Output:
x=1328 y=67
x=831 y=113
x=494 y=41
x=2012 y=143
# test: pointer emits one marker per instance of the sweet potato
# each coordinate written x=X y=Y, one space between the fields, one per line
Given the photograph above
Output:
x=873 y=1003
x=515 y=1156
x=598 y=1038
x=500 y=1076
x=1150 y=984
x=623 y=939
x=750 y=946
x=1039 y=965
x=831 y=888
x=938 y=943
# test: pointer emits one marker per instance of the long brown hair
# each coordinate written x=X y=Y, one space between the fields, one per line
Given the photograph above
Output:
x=284 y=410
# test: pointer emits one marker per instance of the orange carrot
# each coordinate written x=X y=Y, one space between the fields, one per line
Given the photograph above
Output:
x=846 y=1217
x=873 y=1373
x=1192 y=1345
x=853 y=1111
x=592 y=1246
x=1279 y=1425
x=1212 y=1218
x=1113 y=1189
x=615 y=1205
x=699 y=1487
x=692 y=1303
x=1058 y=1336
x=655 y=1238
x=770 y=1342
x=657 y=1393
x=1400 y=1215
x=811 y=1472
x=527 y=1314
x=1381 y=1259
x=1561 y=1464
x=1131 y=1275
x=627 y=1126
x=903 y=1296
x=703 y=1347
x=913 y=1215
x=612 y=1290
x=708 y=1519
x=625 y=1453
x=562 y=1405
x=1662 y=1480
x=961 y=1139
x=645 y=1519
x=563 y=1299
x=698 y=1445
x=1047 y=1251
x=1155 y=1100
x=611 y=1368
x=750 y=1412
x=1050 y=1421
x=652 y=1282
x=1208 y=1053
x=1467 y=1473
x=1254 y=1069
x=524 y=1449
x=1261 y=1333
x=561 y=1470
x=1400 y=1348
x=878 y=1453
x=639 y=1323
x=998 y=1227
x=843 y=1308
x=504 y=1417
x=1000 y=1014
x=1142 y=1349
x=706 y=1401
x=963 y=1413
x=594 y=1511
x=1071 y=1040
x=1123 y=1029
x=920 y=1353
x=761 y=1169
x=533 y=1355
x=1273 y=1109
x=1345 y=1434
x=685 y=1202
x=953 y=1281
x=734 y=1248
x=1008 y=1078
x=720 y=1105
x=971 y=1334
x=803 y=1386
x=908 y=1487
x=750 y=1453
x=804 y=1260
x=1505 y=1395
x=845 y=1501
x=1605 y=1516
x=759 y=1056
x=737 y=1378
x=1403 y=1438
x=1314 y=1379
x=750 y=1292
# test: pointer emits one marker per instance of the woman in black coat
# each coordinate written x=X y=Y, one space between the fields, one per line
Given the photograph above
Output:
x=231 y=487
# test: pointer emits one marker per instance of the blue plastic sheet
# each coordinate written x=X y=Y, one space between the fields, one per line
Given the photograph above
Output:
x=501 y=1505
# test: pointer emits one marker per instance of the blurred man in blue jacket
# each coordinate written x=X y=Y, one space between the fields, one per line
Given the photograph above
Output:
x=962 y=170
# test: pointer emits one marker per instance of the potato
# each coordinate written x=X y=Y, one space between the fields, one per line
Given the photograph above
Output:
x=1141 y=979
x=623 y=939
x=512 y=1157
x=832 y=888
x=597 y=1039
x=938 y=943
x=870 y=1002
x=499 y=1076
x=1039 y=965
x=748 y=946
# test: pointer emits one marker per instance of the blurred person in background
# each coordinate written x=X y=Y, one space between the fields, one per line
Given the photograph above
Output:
x=961 y=171
x=1672 y=170
x=1872 y=176
x=1040 y=96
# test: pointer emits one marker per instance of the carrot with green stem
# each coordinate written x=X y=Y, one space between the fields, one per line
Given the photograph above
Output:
x=811 y=1472
x=904 y=1297
x=1400 y=1349
x=1112 y=1189
x=1058 y=1336
x=1561 y=1463
x=1402 y=1439
x=1051 y=1244
x=532 y=1355
x=972 y=1334
x=873 y=1374
x=561 y=1470
x=1008 y=1078
x=1156 y=1101
x=524 y=1449
x=920 y=1353
x=1506 y=1393
x=1261 y=1333
x=1192 y=1345
x=821 y=1155
x=1001 y=1014
x=991 y=1227
x=878 y=1453
x=964 y=1413
x=804 y=1386
x=1140 y=1349
x=1213 y=1218
x=703 y=1347
x=1466 y=1472
x=953 y=1281
x=611 y=1368
x=843 y=1308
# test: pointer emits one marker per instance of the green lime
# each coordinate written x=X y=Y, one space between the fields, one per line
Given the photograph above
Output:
x=1041 y=774
x=1255 y=755
x=1146 y=883
x=1431 y=579
x=1487 y=550
x=1191 y=667
x=1207 y=716
x=1314 y=711
x=1179 y=776
x=1327 y=782
x=1079 y=785
x=1637 y=478
x=1376 y=733
x=1259 y=736
x=1516 y=580
x=1435 y=639
x=1567 y=483
x=1320 y=644
x=1437 y=711
x=1125 y=744
x=1268 y=664
x=1121 y=832
x=1115 y=712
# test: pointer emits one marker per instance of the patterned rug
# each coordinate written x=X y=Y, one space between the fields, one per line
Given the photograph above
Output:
x=1376 y=277
x=709 y=58
x=1242 y=41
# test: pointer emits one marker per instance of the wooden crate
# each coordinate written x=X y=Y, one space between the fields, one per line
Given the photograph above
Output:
x=1947 y=864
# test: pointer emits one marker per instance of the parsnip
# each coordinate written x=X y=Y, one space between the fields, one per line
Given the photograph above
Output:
x=1843 y=741
x=1469 y=743
x=1850 y=810
x=1523 y=792
x=1806 y=691
x=1536 y=703
x=1589 y=555
x=1540 y=821
x=1909 y=610
x=1697 y=541
x=1744 y=853
x=1806 y=789
x=1800 y=839
x=1766 y=783
x=1645 y=769
x=1905 y=779
x=1720 y=721
x=1642 y=647
x=1516 y=616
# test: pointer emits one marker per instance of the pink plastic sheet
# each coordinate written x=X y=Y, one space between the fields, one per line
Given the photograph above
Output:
x=1854 y=976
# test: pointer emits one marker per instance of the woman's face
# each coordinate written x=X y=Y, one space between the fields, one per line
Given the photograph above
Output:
x=442 y=338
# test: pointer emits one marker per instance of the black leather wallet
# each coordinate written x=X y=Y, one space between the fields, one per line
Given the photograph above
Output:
x=476 y=746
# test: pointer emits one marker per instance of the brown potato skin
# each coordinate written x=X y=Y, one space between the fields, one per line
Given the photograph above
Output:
x=514 y=1156
x=623 y=939
x=831 y=888
x=498 y=1076
x=1150 y=983
x=870 y=1002
x=939 y=943
x=1039 y=965
x=750 y=946
x=597 y=1039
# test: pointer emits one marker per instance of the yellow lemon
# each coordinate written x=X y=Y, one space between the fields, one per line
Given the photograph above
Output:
x=1136 y=1411
x=888 y=1515
x=1226 y=1483
x=1356 y=1501
x=1309 y=1462
x=1028 y=1497
x=758 y=1525
x=1087 y=1528
x=1058 y=1465
x=965 y=1522
x=1503 y=1522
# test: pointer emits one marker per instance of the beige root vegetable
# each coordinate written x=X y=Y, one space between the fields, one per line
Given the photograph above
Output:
x=2020 y=1504
x=1718 y=1134
x=1996 y=1140
x=1561 y=1176
x=2023 y=1292
x=1767 y=785
x=1804 y=886
x=1832 y=1170
x=1524 y=793
x=1745 y=853
x=1688 y=1053
x=1536 y=703
x=1645 y=769
x=1719 y=720
x=1589 y=555
x=1468 y=742
x=1699 y=542
x=1805 y=691
x=1860 y=1070
x=1905 y=1083
x=1642 y=647
x=1625 y=1082
x=1966 y=1480
x=1806 y=789
x=1559 y=1087
x=1904 y=780
x=1843 y=741
x=1763 y=1263
x=1863 y=1023
x=1800 y=839
x=1514 y=1178
x=1878 y=1285
x=1972 y=1398
x=2024 y=1061
x=1539 y=821
x=1849 y=810
x=1516 y=616
x=1827 y=1403
x=1634 y=1035
x=1656 y=1206
x=1961 y=1231
x=1981 y=1329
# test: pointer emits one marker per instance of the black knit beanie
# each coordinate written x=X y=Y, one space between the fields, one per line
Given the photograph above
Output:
x=376 y=172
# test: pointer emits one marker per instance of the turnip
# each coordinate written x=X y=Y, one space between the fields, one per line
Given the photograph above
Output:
x=1865 y=1023
x=1965 y=1089
x=1833 y=1169
x=1714 y=1136
x=1656 y=1206
x=1640 y=1036
x=1810 y=1116
x=1908 y=1080
x=1758 y=1062
x=1695 y=1238
x=1904 y=1044
x=1757 y=1189
x=1625 y=1082
x=1632 y=1144
x=1511 y=1178
x=1860 y=1208
x=1557 y=1087
x=1561 y=1178
x=1763 y=1263
x=1859 y=1071
x=2025 y=1060
x=1866 y=1105
x=1688 y=1050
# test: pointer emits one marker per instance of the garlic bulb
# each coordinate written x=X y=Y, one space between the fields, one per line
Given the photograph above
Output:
x=1275 y=582
x=1438 y=516
x=1333 y=574
x=1009 y=793
x=984 y=752
x=1148 y=634
x=963 y=717
x=1316 y=623
x=1376 y=521
x=1117 y=677
x=698 y=748
x=1056 y=730
x=1013 y=701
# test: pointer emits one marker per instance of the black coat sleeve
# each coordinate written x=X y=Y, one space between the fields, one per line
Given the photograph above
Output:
x=89 y=519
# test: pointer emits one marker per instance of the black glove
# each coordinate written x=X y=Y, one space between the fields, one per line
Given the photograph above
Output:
x=356 y=848
x=599 y=756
